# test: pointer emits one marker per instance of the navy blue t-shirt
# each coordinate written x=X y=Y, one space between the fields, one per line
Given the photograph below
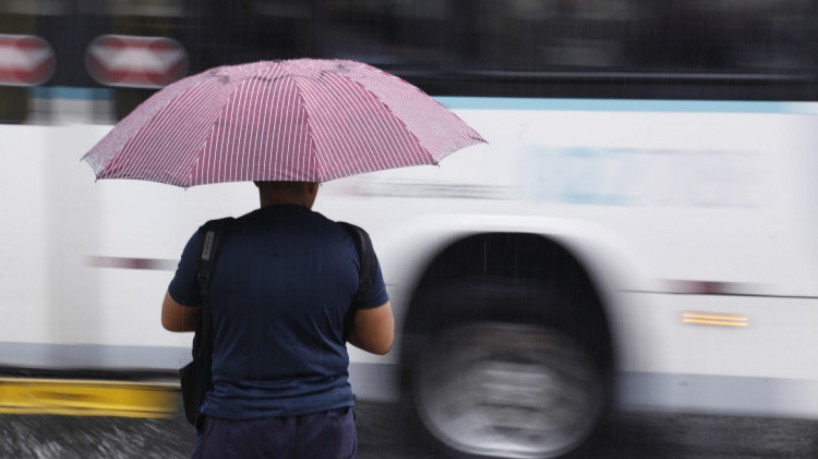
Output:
x=283 y=283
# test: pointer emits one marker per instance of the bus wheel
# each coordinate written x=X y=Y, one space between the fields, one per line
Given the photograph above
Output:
x=502 y=389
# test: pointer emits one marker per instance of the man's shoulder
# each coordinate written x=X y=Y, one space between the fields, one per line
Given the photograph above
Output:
x=218 y=224
x=305 y=220
x=354 y=230
x=339 y=226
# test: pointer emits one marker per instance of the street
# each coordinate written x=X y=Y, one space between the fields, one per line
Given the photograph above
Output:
x=385 y=433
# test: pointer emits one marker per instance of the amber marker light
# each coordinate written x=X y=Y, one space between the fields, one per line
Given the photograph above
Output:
x=714 y=319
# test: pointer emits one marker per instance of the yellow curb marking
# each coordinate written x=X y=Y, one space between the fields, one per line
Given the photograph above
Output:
x=87 y=398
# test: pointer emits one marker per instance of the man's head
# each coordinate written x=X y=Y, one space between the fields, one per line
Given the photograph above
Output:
x=303 y=193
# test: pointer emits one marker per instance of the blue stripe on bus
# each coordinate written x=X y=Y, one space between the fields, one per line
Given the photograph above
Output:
x=519 y=103
x=623 y=105
x=72 y=93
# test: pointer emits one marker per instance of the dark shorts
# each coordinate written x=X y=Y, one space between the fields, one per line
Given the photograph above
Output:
x=326 y=435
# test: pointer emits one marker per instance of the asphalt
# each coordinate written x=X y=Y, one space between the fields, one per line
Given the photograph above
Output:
x=386 y=432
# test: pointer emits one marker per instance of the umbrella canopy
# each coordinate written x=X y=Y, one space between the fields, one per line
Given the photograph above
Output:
x=297 y=120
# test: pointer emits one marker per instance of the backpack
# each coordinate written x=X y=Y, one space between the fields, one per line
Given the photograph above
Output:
x=195 y=378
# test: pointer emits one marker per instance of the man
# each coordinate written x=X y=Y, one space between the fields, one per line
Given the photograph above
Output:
x=282 y=285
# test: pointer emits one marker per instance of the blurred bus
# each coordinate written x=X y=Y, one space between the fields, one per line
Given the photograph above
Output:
x=639 y=232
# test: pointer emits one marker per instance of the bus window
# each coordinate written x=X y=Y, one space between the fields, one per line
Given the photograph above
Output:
x=773 y=35
x=635 y=37
x=550 y=35
x=719 y=37
x=396 y=35
x=14 y=105
x=232 y=32
x=145 y=8
x=214 y=33
x=154 y=18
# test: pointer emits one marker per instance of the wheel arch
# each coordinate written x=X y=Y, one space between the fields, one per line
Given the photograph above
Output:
x=529 y=256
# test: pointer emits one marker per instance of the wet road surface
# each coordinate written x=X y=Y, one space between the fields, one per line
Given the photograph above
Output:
x=385 y=433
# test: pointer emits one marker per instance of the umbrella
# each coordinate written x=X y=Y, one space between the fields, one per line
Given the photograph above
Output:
x=295 y=120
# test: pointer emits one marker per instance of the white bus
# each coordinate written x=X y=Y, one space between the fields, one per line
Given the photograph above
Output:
x=638 y=233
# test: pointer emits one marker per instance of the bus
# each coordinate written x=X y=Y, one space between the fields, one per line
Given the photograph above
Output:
x=639 y=232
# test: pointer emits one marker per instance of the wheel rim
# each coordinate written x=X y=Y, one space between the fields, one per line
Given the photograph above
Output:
x=512 y=391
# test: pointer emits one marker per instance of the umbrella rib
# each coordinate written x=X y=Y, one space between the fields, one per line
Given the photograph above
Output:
x=198 y=153
x=396 y=118
x=340 y=147
x=320 y=174
x=199 y=156
x=373 y=161
x=139 y=129
x=458 y=133
x=245 y=103
x=211 y=174
x=262 y=143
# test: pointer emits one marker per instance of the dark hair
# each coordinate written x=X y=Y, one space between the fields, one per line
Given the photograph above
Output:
x=282 y=186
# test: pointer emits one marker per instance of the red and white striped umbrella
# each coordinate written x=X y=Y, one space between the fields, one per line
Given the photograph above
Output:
x=297 y=120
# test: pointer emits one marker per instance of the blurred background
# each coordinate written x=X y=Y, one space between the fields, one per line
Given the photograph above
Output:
x=110 y=55
x=637 y=237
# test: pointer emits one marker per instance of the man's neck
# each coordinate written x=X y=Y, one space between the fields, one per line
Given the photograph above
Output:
x=279 y=200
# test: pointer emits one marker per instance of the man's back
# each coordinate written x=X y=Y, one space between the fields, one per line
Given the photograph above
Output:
x=282 y=286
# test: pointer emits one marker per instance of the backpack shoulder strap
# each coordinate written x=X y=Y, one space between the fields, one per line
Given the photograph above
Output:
x=366 y=254
x=210 y=236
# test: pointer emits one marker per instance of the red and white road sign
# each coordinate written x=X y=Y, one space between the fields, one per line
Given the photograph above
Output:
x=25 y=60
x=137 y=62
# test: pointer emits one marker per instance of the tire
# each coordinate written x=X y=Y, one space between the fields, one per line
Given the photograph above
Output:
x=504 y=388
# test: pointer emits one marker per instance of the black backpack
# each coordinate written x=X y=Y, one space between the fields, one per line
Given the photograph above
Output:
x=195 y=377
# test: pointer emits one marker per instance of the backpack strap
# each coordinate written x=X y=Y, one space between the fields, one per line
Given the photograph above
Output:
x=366 y=271
x=210 y=237
x=366 y=256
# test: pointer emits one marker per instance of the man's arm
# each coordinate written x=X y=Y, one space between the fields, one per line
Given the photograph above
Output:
x=373 y=329
x=179 y=318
